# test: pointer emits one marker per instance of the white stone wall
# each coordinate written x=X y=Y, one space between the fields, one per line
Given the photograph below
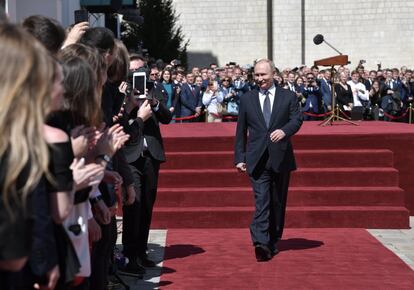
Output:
x=374 y=30
x=287 y=33
x=223 y=31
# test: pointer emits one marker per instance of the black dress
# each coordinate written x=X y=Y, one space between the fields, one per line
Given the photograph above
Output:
x=16 y=228
x=51 y=246
x=61 y=157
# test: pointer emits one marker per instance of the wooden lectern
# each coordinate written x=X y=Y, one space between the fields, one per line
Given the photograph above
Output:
x=332 y=62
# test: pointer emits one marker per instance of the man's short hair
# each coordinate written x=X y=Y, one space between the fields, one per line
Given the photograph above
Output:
x=135 y=56
x=99 y=37
x=47 y=30
x=268 y=61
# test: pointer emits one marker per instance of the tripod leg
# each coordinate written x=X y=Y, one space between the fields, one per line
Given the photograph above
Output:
x=328 y=121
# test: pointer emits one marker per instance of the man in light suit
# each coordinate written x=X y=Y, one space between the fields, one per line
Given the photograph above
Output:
x=271 y=116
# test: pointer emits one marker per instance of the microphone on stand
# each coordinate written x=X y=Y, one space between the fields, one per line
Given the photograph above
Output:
x=318 y=39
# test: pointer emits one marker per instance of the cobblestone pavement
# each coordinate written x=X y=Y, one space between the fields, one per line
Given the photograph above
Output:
x=401 y=242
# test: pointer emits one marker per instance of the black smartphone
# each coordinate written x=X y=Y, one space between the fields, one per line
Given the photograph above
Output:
x=81 y=16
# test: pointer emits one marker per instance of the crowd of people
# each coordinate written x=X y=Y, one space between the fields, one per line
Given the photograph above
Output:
x=375 y=94
x=382 y=94
x=77 y=143
x=75 y=147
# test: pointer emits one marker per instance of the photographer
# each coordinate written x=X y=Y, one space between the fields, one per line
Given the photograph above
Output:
x=312 y=93
x=144 y=153
x=239 y=83
x=375 y=96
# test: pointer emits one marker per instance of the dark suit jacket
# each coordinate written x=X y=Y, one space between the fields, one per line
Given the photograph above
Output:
x=286 y=115
x=189 y=100
x=326 y=93
x=149 y=129
x=313 y=96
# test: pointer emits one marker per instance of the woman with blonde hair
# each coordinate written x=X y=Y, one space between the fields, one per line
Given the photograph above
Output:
x=25 y=87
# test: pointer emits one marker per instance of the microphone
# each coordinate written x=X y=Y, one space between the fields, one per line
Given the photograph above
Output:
x=318 y=39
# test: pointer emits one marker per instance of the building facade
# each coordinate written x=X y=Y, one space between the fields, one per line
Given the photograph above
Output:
x=377 y=31
x=371 y=30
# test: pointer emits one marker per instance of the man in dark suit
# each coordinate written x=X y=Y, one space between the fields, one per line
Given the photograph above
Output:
x=271 y=116
x=190 y=98
x=144 y=152
x=326 y=90
x=312 y=93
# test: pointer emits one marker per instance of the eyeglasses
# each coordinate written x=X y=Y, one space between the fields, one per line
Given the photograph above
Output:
x=154 y=74
x=226 y=80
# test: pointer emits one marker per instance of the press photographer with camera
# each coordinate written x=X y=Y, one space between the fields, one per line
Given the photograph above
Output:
x=144 y=110
x=311 y=91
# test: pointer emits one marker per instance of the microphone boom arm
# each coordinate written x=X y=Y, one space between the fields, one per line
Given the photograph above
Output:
x=332 y=47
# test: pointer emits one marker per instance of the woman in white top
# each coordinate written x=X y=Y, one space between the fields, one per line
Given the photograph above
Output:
x=213 y=99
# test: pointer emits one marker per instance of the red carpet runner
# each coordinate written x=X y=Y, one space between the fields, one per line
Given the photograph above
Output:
x=348 y=176
x=309 y=259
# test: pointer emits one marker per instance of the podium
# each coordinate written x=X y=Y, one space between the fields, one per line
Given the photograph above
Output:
x=334 y=113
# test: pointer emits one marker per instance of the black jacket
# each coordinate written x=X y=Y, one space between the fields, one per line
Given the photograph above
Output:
x=286 y=115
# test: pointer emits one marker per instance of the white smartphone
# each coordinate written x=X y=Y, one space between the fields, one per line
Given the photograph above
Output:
x=139 y=81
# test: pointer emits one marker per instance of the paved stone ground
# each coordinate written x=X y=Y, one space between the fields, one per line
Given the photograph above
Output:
x=156 y=246
x=401 y=242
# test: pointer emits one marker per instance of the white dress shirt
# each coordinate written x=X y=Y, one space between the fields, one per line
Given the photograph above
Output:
x=360 y=94
x=262 y=96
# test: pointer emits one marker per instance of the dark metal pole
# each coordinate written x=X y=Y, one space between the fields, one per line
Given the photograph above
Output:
x=303 y=26
x=270 y=29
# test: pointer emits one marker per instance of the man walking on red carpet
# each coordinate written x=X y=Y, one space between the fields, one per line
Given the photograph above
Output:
x=270 y=116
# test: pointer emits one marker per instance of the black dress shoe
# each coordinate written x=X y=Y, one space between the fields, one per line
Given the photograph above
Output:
x=263 y=253
x=132 y=269
x=274 y=252
x=144 y=261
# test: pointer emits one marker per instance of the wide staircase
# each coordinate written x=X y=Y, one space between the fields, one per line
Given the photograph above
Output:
x=200 y=188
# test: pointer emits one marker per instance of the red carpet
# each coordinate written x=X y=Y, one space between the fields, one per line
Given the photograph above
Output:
x=309 y=259
x=348 y=176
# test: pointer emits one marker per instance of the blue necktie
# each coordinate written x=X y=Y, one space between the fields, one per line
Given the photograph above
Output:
x=266 y=109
